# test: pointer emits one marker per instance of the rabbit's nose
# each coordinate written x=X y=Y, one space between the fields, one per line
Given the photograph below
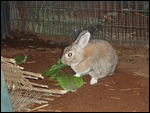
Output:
x=62 y=61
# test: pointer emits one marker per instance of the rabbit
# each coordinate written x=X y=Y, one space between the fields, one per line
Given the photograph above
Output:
x=94 y=57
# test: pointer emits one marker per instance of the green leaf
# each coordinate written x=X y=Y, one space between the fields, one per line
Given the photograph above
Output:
x=20 y=59
x=52 y=72
x=68 y=82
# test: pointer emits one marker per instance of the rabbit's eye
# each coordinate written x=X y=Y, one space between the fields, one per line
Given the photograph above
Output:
x=69 y=54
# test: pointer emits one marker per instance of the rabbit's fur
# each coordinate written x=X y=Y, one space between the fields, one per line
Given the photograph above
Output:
x=95 y=57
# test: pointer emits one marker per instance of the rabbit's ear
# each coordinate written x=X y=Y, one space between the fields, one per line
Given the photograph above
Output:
x=83 y=39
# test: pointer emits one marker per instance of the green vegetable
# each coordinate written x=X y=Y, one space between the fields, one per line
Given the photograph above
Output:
x=52 y=72
x=20 y=59
x=67 y=82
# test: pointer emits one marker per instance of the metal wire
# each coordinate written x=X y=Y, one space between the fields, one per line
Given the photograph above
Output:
x=125 y=21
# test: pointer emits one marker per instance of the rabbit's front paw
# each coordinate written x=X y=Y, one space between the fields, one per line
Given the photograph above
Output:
x=93 y=81
x=77 y=75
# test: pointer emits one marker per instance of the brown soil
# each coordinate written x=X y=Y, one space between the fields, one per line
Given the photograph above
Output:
x=126 y=90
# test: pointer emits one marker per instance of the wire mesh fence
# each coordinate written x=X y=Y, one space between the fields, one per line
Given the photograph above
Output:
x=124 y=21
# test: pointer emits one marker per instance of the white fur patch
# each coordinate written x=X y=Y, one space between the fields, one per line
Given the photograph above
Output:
x=93 y=81
x=77 y=75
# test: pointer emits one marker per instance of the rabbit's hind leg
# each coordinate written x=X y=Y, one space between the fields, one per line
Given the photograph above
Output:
x=112 y=71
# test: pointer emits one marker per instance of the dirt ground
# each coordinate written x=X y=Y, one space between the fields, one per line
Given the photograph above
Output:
x=126 y=90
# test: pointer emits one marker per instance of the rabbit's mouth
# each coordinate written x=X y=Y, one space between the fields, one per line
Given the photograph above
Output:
x=62 y=61
x=73 y=64
x=65 y=62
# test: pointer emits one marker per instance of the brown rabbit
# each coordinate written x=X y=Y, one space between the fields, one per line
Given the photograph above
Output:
x=95 y=57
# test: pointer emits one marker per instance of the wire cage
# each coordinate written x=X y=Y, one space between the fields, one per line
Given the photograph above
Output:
x=123 y=21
